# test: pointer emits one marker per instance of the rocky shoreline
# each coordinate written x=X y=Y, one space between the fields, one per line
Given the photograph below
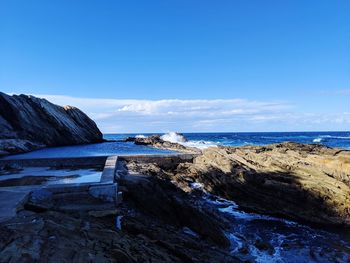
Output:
x=309 y=183
x=190 y=208
x=155 y=222
x=219 y=204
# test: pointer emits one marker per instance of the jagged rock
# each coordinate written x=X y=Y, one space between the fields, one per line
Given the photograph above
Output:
x=28 y=123
x=301 y=182
x=305 y=182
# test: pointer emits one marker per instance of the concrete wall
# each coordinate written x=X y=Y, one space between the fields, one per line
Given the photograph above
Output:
x=58 y=162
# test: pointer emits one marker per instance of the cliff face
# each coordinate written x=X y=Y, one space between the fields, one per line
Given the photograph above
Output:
x=29 y=123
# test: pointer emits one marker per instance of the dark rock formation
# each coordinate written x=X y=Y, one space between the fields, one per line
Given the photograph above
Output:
x=29 y=123
x=167 y=203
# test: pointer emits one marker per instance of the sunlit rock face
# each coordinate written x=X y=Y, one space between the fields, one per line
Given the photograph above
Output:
x=28 y=123
x=298 y=181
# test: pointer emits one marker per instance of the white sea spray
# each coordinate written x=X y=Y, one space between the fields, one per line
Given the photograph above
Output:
x=180 y=139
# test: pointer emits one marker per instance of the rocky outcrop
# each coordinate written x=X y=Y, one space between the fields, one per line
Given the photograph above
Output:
x=302 y=182
x=305 y=182
x=29 y=123
x=155 y=223
x=157 y=142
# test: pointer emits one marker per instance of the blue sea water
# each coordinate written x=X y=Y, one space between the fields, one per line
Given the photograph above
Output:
x=200 y=140
x=96 y=149
x=331 y=139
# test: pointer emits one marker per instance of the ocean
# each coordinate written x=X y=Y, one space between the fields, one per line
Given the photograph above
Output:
x=203 y=140
x=199 y=140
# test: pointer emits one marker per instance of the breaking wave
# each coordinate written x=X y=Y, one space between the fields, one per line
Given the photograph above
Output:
x=175 y=137
x=323 y=137
x=335 y=137
x=317 y=140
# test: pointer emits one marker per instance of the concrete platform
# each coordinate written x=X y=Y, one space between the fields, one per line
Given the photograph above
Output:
x=12 y=198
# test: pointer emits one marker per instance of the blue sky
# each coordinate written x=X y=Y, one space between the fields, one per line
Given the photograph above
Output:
x=149 y=66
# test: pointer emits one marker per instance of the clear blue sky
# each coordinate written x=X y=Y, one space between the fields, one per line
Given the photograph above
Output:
x=295 y=52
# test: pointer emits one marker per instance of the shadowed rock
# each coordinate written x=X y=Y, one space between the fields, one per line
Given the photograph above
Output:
x=60 y=225
x=167 y=203
x=28 y=123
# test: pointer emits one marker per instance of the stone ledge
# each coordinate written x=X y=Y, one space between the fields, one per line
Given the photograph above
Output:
x=109 y=170
x=105 y=192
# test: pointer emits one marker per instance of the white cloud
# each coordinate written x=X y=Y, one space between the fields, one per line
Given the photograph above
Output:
x=344 y=92
x=121 y=115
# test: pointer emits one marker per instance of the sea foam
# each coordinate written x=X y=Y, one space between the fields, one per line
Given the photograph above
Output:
x=317 y=140
x=180 y=139
x=330 y=137
x=173 y=137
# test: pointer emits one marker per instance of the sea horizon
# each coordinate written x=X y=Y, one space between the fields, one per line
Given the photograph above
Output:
x=219 y=132
x=195 y=140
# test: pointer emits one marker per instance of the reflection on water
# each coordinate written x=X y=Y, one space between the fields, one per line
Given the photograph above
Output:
x=97 y=149
x=47 y=175
x=82 y=176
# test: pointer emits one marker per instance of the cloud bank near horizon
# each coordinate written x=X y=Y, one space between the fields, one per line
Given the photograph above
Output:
x=194 y=115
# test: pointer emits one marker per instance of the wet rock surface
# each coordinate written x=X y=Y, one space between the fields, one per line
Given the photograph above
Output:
x=28 y=123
